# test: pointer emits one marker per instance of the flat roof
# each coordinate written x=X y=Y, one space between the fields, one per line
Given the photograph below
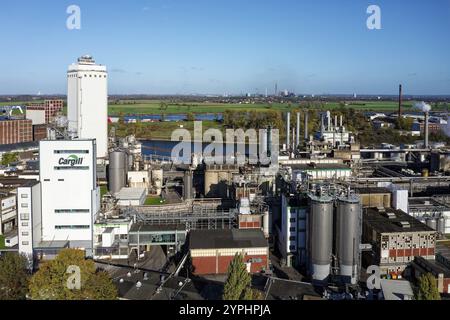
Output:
x=380 y=222
x=282 y=289
x=142 y=228
x=131 y=193
x=227 y=239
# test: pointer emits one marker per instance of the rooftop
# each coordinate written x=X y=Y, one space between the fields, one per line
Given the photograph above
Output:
x=131 y=193
x=320 y=166
x=226 y=239
x=372 y=190
x=389 y=220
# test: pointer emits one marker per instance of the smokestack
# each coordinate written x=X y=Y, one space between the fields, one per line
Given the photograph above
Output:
x=400 y=101
x=269 y=142
x=288 y=130
x=298 y=129
x=342 y=122
x=427 y=120
x=322 y=124
x=335 y=122
x=328 y=120
x=306 y=126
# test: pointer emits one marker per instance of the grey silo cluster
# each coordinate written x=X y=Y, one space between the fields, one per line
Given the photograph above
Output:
x=118 y=168
x=334 y=236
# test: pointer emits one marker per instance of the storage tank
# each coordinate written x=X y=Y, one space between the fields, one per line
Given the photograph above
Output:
x=441 y=225
x=188 y=185
x=157 y=180
x=320 y=238
x=348 y=236
x=211 y=181
x=266 y=224
x=432 y=223
x=117 y=171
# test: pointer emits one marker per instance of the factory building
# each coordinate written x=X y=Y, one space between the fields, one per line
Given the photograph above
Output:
x=439 y=268
x=432 y=212
x=111 y=239
x=15 y=131
x=218 y=179
x=212 y=251
x=87 y=102
x=320 y=171
x=8 y=212
x=67 y=202
x=374 y=197
x=396 y=238
x=44 y=113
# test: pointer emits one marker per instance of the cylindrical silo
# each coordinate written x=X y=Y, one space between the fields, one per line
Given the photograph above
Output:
x=348 y=236
x=117 y=171
x=432 y=223
x=266 y=223
x=320 y=238
x=188 y=185
x=441 y=225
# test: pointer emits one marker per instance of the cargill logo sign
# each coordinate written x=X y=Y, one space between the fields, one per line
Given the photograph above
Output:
x=72 y=160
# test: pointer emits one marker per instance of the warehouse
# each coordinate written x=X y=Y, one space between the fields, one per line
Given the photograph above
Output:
x=212 y=251
x=396 y=238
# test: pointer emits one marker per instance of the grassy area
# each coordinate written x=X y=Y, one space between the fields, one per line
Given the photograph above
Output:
x=2 y=242
x=154 y=107
x=103 y=190
x=153 y=201
x=162 y=130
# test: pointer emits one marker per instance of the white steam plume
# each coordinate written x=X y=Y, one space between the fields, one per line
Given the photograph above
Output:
x=422 y=106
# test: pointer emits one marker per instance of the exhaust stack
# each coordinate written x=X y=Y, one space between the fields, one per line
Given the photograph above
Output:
x=427 y=120
x=288 y=131
x=298 y=129
x=306 y=126
x=400 y=101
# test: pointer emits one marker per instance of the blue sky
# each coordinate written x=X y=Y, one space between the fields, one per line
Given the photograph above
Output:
x=229 y=46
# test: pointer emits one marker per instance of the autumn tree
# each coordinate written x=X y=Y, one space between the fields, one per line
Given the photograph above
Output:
x=14 y=276
x=427 y=288
x=55 y=279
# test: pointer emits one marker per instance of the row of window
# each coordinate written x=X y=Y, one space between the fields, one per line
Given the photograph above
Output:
x=90 y=76
x=72 y=227
x=71 y=168
x=71 y=151
x=72 y=211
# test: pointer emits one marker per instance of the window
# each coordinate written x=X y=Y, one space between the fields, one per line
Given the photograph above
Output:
x=292 y=238
x=25 y=234
x=292 y=220
x=24 y=224
x=24 y=205
x=292 y=229
x=292 y=248
x=24 y=216
x=25 y=243
x=24 y=196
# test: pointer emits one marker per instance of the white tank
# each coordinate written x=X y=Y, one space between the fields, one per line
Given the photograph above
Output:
x=266 y=224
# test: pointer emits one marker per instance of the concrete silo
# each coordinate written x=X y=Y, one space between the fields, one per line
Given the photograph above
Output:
x=320 y=238
x=117 y=171
x=348 y=236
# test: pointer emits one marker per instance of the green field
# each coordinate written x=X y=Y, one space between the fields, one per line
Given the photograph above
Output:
x=154 y=107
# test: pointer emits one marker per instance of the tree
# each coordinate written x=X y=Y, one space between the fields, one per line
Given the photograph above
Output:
x=9 y=158
x=52 y=280
x=238 y=279
x=14 y=276
x=427 y=288
x=190 y=117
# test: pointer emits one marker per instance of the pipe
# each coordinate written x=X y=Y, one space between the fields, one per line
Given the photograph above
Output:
x=298 y=129
x=426 y=129
x=288 y=130
x=341 y=122
x=400 y=101
x=306 y=126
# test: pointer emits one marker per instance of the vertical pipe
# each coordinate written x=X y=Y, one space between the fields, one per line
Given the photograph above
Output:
x=306 y=126
x=427 y=115
x=341 y=122
x=298 y=129
x=288 y=130
x=400 y=101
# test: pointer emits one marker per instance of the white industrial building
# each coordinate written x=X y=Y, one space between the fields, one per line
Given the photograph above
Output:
x=59 y=211
x=87 y=102
x=131 y=197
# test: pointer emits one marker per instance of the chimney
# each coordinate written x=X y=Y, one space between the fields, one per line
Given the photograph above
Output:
x=426 y=129
x=288 y=131
x=322 y=124
x=400 y=101
x=298 y=129
x=306 y=126
x=269 y=142
x=341 y=121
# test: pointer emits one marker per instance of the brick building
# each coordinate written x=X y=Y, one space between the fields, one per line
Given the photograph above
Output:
x=396 y=238
x=39 y=132
x=15 y=131
x=50 y=109
x=212 y=251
